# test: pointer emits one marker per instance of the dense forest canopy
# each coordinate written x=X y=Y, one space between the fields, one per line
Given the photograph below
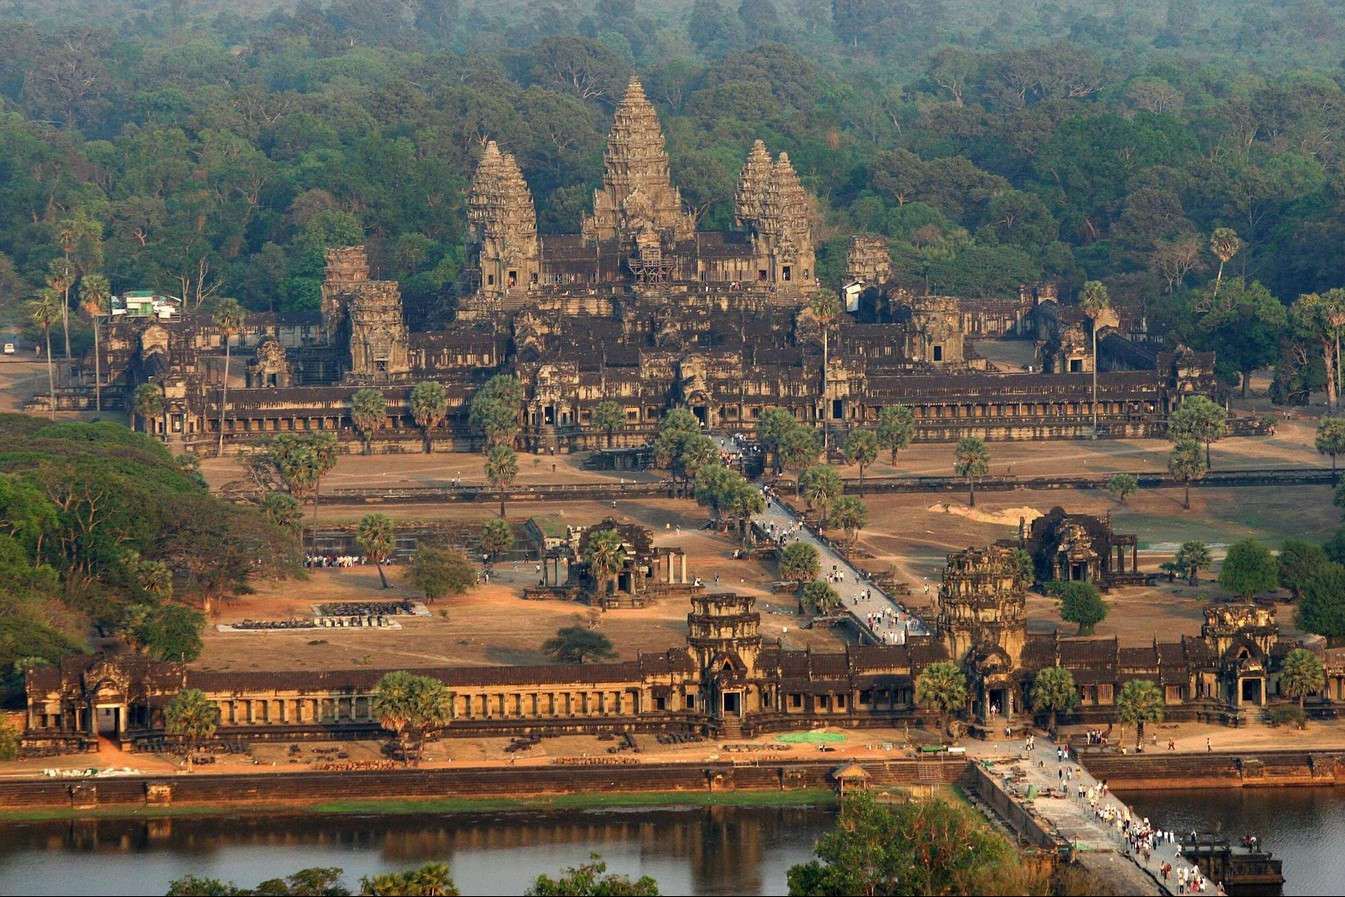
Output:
x=104 y=532
x=205 y=149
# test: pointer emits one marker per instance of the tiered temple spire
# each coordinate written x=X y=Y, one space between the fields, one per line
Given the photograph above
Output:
x=636 y=192
x=751 y=187
x=502 y=224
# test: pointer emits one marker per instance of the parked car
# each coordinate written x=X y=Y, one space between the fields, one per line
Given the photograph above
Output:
x=9 y=348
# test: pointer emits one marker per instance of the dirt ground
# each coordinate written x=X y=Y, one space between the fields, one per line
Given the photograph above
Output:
x=914 y=532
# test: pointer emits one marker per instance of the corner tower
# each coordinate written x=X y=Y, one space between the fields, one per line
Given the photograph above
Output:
x=502 y=245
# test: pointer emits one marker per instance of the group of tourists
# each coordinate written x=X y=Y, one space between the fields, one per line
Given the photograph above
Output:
x=336 y=560
x=1138 y=838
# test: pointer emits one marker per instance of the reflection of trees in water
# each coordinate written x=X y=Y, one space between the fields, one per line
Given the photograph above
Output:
x=719 y=841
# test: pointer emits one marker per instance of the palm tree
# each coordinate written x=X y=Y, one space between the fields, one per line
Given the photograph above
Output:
x=45 y=313
x=1193 y=557
x=193 y=715
x=368 y=412
x=861 y=447
x=605 y=554
x=1224 y=243
x=229 y=318
x=1186 y=462
x=1095 y=301
x=1301 y=675
x=410 y=707
x=609 y=417
x=148 y=402
x=941 y=687
x=821 y=486
x=1053 y=691
x=896 y=428
x=501 y=468
x=430 y=880
x=1140 y=702
x=850 y=515
x=377 y=538
x=971 y=459
x=60 y=279
x=497 y=537
x=429 y=404
x=94 y=291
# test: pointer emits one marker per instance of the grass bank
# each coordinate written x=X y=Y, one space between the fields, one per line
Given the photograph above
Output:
x=802 y=797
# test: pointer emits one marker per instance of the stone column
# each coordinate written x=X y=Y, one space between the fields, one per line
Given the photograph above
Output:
x=684 y=569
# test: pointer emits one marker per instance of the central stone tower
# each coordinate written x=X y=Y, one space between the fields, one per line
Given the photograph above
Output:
x=637 y=196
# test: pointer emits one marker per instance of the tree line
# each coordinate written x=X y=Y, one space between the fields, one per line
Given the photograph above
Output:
x=213 y=154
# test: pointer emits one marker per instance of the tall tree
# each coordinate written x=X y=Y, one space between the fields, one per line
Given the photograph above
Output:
x=1244 y=325
x=1122 y=485
x=229 y=318
x=1301 y=674
x=1311 y=320
x=851 y=515
x=429 y=405
x=437 y=572
x=971 y=460
x=148 y=402
x=861 y=448
x=1224 y=243
x=44 y=313
x=94 y=292
x=605 y=554
x=1330 y=438
x=501 y=469
x=1095 y=301
x=428 y=880
x=609 y=417
x=821 y=485
x=799 y=448
x=772 y=426
x=1192 y=557
x=896 y=428
x=368 y=412
x=941 y=687
x=911 y=846
x=1199 y=419
x=377 y=538
x=1140 y=702
x=1321 y=610
x=193 y=716
x=497 y=537
x=799 y=562
x=576 y=644
x=588 y=878
x=411 y=707
x=1080 y=603
x=60 y=278
x=1299 y=560
x=1053 y=690
x=1186 y=462
x=494 y=410
x=1248 y=569
x=819 y=598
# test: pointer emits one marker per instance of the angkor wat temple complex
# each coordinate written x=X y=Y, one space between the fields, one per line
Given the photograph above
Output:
x=641 y=308
x=726 y=681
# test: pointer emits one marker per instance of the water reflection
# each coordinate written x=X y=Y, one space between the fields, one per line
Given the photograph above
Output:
x=713 y=850
x=1304 y=827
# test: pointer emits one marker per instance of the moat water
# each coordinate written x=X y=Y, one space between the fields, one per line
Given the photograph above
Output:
x=721 y=850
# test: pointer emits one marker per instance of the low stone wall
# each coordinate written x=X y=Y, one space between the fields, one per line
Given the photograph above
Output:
x=1022 y=818
x=1218 y=769
x=591 y=776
